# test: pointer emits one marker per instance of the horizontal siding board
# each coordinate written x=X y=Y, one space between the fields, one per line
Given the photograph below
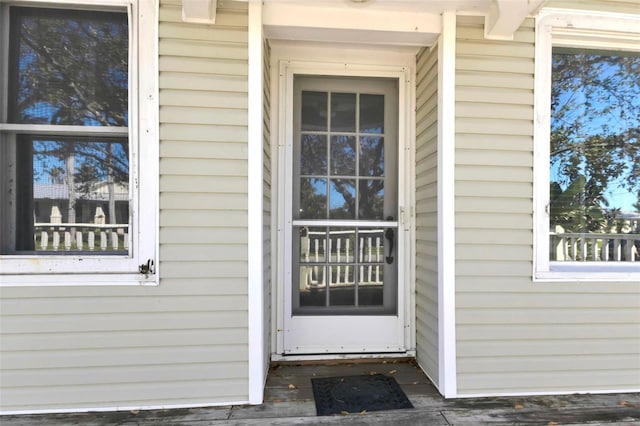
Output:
x=475 y=157
x=489 y=64
x=494 y=95
x=510 y=315
x=132 y=394
x=110 y=322
x=481 y=188
x=199 y=149
x=203 y=99
x=221 y=251
x=494 y=142
x=222 y=67
x=203 y=201
x=204 y=184
x=194 y=132
x=493 y=111
x=199 y=218
x=185 y=31
x=198 y=115
x=129 y=374
x=494 y=173
x=493 y=204
x=201 y=81
x=113 y=305
x=555 y=381
x=470 y=299
x=202 y=49
x=197 y=269
x=537 y=332
x=186 y=236
x=123 y=339
x=494 y=49
x=203 y=167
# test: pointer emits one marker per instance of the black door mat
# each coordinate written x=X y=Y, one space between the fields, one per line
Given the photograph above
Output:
x=355 y=394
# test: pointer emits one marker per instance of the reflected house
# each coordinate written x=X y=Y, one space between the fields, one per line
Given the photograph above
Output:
x=52 y=199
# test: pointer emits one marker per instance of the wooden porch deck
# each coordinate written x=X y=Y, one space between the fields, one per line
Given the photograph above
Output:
x=289 y=400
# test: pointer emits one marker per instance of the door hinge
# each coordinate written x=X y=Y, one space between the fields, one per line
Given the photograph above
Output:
x=147 y=268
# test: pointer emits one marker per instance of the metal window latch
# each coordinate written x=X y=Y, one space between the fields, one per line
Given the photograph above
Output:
x=146 y=268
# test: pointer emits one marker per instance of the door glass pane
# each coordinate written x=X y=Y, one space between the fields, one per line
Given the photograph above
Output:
x=313 y=155
x=313 y=288
x=371 y=156
x=313 y=198
x=342 y=288
x=342 y=199
x=372 y=113
x=343 y=112
x=314 y=111
x=371 y=257
x=312 y=279
x=371 y=199
x=343 y=155
x=342 y=246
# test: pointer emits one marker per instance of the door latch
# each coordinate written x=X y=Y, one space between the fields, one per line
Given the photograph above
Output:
x=390 y=236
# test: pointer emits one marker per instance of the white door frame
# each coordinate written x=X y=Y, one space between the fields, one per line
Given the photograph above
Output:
x=288 y=61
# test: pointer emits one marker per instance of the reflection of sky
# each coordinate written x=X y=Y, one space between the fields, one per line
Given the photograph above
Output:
x=607 y=122
x=43 y=164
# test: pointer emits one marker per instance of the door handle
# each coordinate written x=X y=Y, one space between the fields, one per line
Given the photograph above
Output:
x=390 y=236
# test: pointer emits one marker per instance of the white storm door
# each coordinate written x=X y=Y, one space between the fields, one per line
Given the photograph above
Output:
x=343 y=295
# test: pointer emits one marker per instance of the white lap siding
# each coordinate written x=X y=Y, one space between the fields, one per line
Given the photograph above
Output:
x=184 y=341
x=426 y=211
x=514 y=335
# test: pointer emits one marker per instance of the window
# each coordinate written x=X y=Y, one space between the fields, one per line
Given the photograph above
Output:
x=78 y=149
x=587 y=147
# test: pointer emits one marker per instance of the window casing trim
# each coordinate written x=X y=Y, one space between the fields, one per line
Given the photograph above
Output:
x=143 y=136
x=570 y=28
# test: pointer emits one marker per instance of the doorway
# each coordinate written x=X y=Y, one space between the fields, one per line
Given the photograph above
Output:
x=343 y=241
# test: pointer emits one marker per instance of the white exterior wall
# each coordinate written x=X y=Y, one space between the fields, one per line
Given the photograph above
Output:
x=426 y=211
x=515 y=335
x=184 y=341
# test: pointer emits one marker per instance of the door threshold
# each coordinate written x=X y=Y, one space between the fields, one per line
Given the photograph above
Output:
x=351 y=357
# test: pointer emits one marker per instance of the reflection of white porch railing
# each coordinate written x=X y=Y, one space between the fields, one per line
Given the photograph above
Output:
x=595 y=247
x=341 y=252
x=88 y=236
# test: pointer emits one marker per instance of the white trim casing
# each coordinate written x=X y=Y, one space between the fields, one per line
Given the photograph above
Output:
x=570 y=28
x=334 y=60
x=447 y=366
x=20 y=270
x=255 y=260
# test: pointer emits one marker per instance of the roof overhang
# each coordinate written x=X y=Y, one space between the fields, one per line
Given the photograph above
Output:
x=389 y=22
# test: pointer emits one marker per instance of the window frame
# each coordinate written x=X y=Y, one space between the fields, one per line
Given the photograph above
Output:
x=575 y=29
x=142 y=132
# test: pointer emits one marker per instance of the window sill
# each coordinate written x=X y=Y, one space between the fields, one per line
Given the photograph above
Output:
x=81 y=279
x=589 y=272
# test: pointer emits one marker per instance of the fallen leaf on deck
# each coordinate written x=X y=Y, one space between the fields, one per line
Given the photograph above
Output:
x=363 y=412
x=292 y=386
x=134 y=412
x=393 y=371
x=371 y=373
x=344 y=413
x=552 y=424
x=518 y=406
x=415 y=383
